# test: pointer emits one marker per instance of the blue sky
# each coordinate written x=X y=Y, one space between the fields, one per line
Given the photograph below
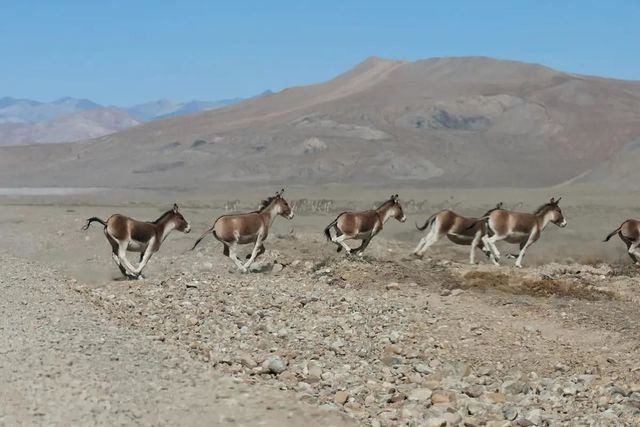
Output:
x=124 y=52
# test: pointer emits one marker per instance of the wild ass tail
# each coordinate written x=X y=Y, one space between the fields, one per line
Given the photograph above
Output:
x=93 y=219
x=327 y=229
x=610 y=235
x=203 y=235
x=427 y=223
x=482 y=219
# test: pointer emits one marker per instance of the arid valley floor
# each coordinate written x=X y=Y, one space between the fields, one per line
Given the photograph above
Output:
x=313 y=337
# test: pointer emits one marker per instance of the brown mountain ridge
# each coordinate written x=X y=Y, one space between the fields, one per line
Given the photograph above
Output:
x=456 y=122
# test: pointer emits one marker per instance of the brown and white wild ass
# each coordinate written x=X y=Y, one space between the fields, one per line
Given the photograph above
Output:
x=363 y=225
x=519 y=227
x=459 y=229
x=127 y=234
x=243 y=228
x=629 y=232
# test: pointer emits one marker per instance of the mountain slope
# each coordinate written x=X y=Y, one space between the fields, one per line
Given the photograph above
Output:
x=442 y=121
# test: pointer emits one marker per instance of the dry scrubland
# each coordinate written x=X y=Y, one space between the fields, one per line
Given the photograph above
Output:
x=313 y=337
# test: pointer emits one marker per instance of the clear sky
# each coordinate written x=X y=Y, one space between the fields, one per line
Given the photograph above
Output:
x=124 y=52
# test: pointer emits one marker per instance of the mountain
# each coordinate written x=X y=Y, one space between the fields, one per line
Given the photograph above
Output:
x=25 y=121
x=90 y=123
x=14 y=110
x=455 y=122
x=164 y=108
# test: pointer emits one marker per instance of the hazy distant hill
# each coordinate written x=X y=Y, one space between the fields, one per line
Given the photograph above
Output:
x=24 y=121
x=81 y=125
x=13 y=110
x=444 y=121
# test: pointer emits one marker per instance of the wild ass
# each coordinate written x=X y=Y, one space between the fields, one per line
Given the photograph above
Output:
x=459 y=229
x=629 y=232
x=253 y=227
x=363 y=225
x=519 y=227
x=127 y=234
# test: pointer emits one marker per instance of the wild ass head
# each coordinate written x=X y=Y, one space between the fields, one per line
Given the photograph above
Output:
x=179 y=222
x=279 y=205
x=396 y=208
x=553 y=211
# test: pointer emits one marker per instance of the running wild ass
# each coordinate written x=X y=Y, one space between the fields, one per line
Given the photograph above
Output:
x=629 y=232
x=243 y=228
x=363 y=225
x=127 y=234
x=519 y=227
x=459 y=229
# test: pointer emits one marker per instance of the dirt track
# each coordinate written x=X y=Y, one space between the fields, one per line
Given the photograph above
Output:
x=384 y=340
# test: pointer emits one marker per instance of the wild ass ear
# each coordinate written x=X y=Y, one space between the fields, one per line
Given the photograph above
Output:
x=175 y=208
x=552 y=201
x=558 y=200
x=499 y=205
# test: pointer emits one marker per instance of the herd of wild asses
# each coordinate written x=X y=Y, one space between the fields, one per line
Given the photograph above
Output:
x=127 y=234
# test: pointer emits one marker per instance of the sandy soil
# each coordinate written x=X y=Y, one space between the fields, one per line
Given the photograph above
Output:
x=383 y=340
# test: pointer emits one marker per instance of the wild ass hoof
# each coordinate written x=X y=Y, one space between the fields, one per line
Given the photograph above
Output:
x=518 y=265
x=417 y=255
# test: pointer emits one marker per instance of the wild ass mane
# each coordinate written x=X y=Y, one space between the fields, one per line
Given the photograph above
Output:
x=543 y=208
x=162 y=217
x=265 y=203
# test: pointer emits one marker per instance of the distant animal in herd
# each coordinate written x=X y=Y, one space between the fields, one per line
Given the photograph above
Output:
x=519 y=228
x=363 y=225
x=244 y=228
x=459 y=229
x=629 y=233
x=127 y=234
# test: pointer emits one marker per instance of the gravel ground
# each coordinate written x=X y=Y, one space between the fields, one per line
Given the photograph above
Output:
x=309 y=337
x=63 y=363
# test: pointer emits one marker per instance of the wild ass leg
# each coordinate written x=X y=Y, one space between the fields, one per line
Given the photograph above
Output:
x=122 y=255
x=340 y=241
x=261 y=250
x=116 y=259
x=633 y=251
x=431 y=238
x=632 y=256
x=360 y=249
x=474 y=245
x=254 y=252
x=523 y=248
x=489 y=243
x=234 y=256
x=144 y=259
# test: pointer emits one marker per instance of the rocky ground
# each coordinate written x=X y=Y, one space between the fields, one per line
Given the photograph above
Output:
x=390 y=340
x=309 y=336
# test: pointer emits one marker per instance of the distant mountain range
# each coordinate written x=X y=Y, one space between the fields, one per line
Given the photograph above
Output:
x=26 y=121
x=448 y=122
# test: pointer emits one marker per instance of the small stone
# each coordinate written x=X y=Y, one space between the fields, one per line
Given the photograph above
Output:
x=394 y=337
x=510 y=413
x=435 y=422
x=456 y=292
x=452 y=418
x=274 y=365
x=419 y=394
x=277 y=268
x=496 y=397
x=341 y=397
x=393 y=286
x=369 y=400
x=422 y=368
x=473 y=391
x=440 y=397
